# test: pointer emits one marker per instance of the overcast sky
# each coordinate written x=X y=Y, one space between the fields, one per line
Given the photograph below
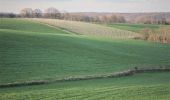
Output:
x=88 y=5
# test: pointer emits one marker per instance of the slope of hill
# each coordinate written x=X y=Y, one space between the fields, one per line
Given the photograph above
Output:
x=88 y=28
x=23 y=25
x=66 y=55
x=34 y=51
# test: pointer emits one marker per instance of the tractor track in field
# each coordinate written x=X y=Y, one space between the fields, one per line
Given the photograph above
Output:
x=129 y=72
x=57 y=27
x=61 y=28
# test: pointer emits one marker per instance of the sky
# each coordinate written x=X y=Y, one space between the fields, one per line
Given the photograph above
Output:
x=126 y=6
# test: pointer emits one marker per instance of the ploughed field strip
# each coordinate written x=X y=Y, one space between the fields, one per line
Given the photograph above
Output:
x=89 y=29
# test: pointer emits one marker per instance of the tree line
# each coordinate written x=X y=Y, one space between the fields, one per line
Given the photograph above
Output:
x=151 y=19
x=54 y=13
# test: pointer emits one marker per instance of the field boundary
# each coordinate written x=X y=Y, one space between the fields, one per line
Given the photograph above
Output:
x=129 y=72
x=62 y=29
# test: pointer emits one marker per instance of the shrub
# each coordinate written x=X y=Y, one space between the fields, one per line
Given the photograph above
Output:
x=160 y=35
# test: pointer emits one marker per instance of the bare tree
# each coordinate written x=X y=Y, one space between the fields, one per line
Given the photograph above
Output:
x=64 y=15
x=103 y=19
x=151 y=19
x=52 y=13
x=8 y=15
x=121 y=19
x=37 y=13
x=26 y=12
x=113 y=19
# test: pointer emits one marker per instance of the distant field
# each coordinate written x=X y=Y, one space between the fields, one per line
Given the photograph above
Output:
x=36 y=51
x=150 y=32
x=135 y=27
x=89 y=29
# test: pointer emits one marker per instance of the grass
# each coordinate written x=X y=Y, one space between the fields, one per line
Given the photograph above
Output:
x=135 y=27
x=151 y=32
x=155 y=86
x=83 y=28
x=28 y=26
x=28 y=55
x=34 y=51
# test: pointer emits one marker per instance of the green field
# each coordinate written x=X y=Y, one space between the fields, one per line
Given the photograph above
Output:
x=155 y=86
x=135 y=27
x=33 y=51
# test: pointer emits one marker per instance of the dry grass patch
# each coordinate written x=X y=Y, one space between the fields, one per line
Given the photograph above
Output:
x=160 y=35
x=88 y=28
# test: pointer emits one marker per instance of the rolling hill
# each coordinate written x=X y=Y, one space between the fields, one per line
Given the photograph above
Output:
x=89 y=29
x=33 y=51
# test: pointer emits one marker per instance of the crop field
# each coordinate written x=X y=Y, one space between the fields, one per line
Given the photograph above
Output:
x=48 y=49
x=135 y=27
x=150 y=32
x=89 y=29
